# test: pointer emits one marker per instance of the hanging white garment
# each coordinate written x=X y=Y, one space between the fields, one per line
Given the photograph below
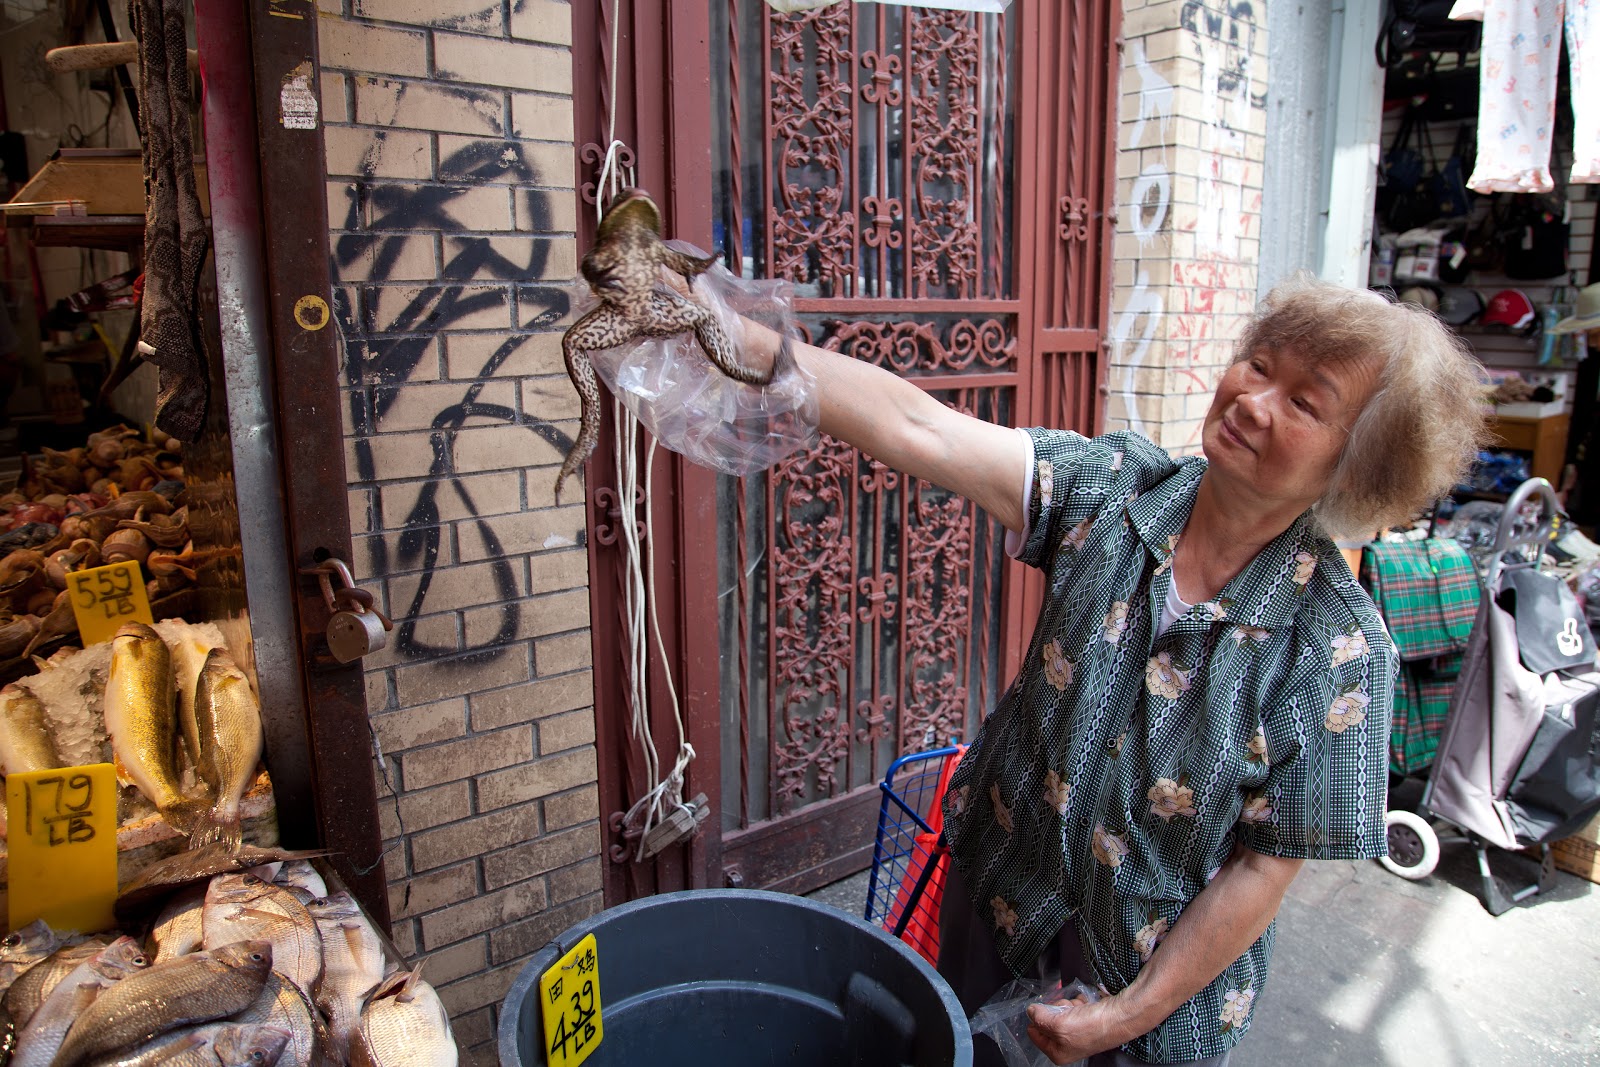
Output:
x=1517 y=93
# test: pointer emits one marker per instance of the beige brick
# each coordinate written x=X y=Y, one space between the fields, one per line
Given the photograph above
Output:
x=545 y=307
x=552 y=571
x=405 y=938
x=394 y=207
x=478 y=307
x=489 y=494
x=382 y=554
x=546 y=210
x=506 y=64
x=371 y=49
x=344 y=206
x=362 y=512
x=579 y=880
x=415 y=407
x=561 y=732
x=439 y=635
x=424 y=810
x=531 y=702
x=538 y=857
x=423 y=893
x=471 y=756
x=535 y=617
x=558 y=655
x=551 y=398
x=332 y=98
x=484 y=160
x=505 y=447
x=469 y=16
x=487 y=987
x=542 y=117
x=520 y=938
x=438 y=679
x=528 y=532
x=417 y=105
x=530 y=781
x=377 y=683
x=474 y=1028
x=456 y=961
x=519 y=258
x=457 y=587
x=414 y=727
x=371 y=153
x=541 y=20
x=569 y=809
x=474 y=915
x=468 y=354
x=474 y=837
x=485 y=1055
x=400 y=259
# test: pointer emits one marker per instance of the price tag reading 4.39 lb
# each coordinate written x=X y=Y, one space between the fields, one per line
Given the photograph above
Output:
x=103 y=598
x=569 y=996
x=63 y=847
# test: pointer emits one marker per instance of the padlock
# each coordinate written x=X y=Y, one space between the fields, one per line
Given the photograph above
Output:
x=355 y=627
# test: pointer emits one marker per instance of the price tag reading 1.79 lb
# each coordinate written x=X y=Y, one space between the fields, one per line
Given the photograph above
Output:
x=569 y=996
x=62 y=838
x=103 y=598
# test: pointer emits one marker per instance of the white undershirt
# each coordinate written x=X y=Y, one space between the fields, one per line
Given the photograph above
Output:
x=1173 y=609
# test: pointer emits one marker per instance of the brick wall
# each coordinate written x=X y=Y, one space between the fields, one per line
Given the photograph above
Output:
x=1189 y=166
x=450 y=169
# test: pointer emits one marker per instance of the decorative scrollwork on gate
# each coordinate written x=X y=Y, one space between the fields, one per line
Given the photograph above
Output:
x=813 y=231
x=905 y=347
x=1074 y=218
x=945 y=149
x=938 y=618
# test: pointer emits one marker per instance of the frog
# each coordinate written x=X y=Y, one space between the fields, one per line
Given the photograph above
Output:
x=623 y=269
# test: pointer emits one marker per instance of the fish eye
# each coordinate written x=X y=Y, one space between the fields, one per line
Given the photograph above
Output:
x=257 y=957
x=251 y=879
x=140 y=961
x=12 y=940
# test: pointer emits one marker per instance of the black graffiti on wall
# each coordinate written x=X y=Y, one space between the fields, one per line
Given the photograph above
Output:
x=1225 y=32
x=387 y=353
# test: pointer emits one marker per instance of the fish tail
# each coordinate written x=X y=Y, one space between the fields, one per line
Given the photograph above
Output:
x=218 y=825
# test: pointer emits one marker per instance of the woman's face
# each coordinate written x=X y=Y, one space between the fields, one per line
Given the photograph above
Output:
x=1278 y=424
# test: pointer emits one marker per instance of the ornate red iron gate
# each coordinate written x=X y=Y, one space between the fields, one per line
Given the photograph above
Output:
x=936 y=186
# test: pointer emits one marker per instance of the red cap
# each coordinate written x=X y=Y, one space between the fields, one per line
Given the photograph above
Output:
x=1509 y=307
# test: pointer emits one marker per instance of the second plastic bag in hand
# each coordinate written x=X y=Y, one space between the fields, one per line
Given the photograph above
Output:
x=697 y=411
x=1005 y=1018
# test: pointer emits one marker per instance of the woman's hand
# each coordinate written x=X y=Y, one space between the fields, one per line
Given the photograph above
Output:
x=1075 y=1029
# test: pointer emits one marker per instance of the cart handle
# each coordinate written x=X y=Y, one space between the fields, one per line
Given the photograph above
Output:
x=1505 y=541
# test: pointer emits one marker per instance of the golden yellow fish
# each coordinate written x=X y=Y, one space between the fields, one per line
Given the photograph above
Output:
x=228 y=723
x=141 y=720
x=25 y=741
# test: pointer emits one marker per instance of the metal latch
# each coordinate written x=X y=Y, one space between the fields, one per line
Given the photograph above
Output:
x=356 y=627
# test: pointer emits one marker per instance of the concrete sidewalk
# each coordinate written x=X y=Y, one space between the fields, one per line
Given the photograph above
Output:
x=1372 y=969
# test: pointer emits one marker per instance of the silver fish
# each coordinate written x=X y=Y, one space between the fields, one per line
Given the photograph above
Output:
x=353 y=965
x=22 y=949
x=177 y=930
x=209 y=1045
x=240 y=906
x=191 y=989
x=41 y=1039
x=39 y=981
x=404 y=1025
x=301 y=873
x=284 y=1005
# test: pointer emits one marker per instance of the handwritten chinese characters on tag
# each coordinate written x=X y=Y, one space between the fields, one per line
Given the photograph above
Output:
x=63 y=847
x=104 y=598
x=569 y=996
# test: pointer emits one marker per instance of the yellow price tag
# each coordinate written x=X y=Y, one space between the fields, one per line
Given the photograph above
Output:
x=103 y=598
x=62 y=842
x=569 y=995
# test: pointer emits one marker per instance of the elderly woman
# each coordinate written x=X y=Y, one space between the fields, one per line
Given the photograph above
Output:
x=1205 y=702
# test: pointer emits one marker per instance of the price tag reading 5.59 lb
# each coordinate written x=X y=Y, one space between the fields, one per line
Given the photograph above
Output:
x=63 y=847
x=103 y=598
x=569 y=996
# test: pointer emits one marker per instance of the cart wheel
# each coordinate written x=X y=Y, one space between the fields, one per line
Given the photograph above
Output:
x=1413 y=846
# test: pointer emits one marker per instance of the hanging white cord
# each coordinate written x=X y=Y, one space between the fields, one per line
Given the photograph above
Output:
x=639 y=581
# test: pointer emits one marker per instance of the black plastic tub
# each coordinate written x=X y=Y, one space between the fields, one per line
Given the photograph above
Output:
x=745 y=977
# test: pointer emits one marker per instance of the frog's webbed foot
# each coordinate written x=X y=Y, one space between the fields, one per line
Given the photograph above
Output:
x=604 y=327
x=671 y=313
x=686 y=264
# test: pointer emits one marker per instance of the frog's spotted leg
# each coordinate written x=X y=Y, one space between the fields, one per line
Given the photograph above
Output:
x=685 y=264
x=604 y=327
x=671 y=314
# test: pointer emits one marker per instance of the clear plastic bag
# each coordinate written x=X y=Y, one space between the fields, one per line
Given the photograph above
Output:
x=1005 y=1018
x=697 y=411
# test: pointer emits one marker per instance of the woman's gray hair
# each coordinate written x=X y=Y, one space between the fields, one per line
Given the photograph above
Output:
x=1418 y=434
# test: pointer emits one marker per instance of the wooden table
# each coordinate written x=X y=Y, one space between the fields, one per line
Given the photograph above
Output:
x=1546 y=438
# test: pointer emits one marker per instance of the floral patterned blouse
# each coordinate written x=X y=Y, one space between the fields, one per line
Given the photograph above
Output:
x=1119 y=771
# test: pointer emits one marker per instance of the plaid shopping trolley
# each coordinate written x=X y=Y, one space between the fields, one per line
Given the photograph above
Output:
x=906 y=883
